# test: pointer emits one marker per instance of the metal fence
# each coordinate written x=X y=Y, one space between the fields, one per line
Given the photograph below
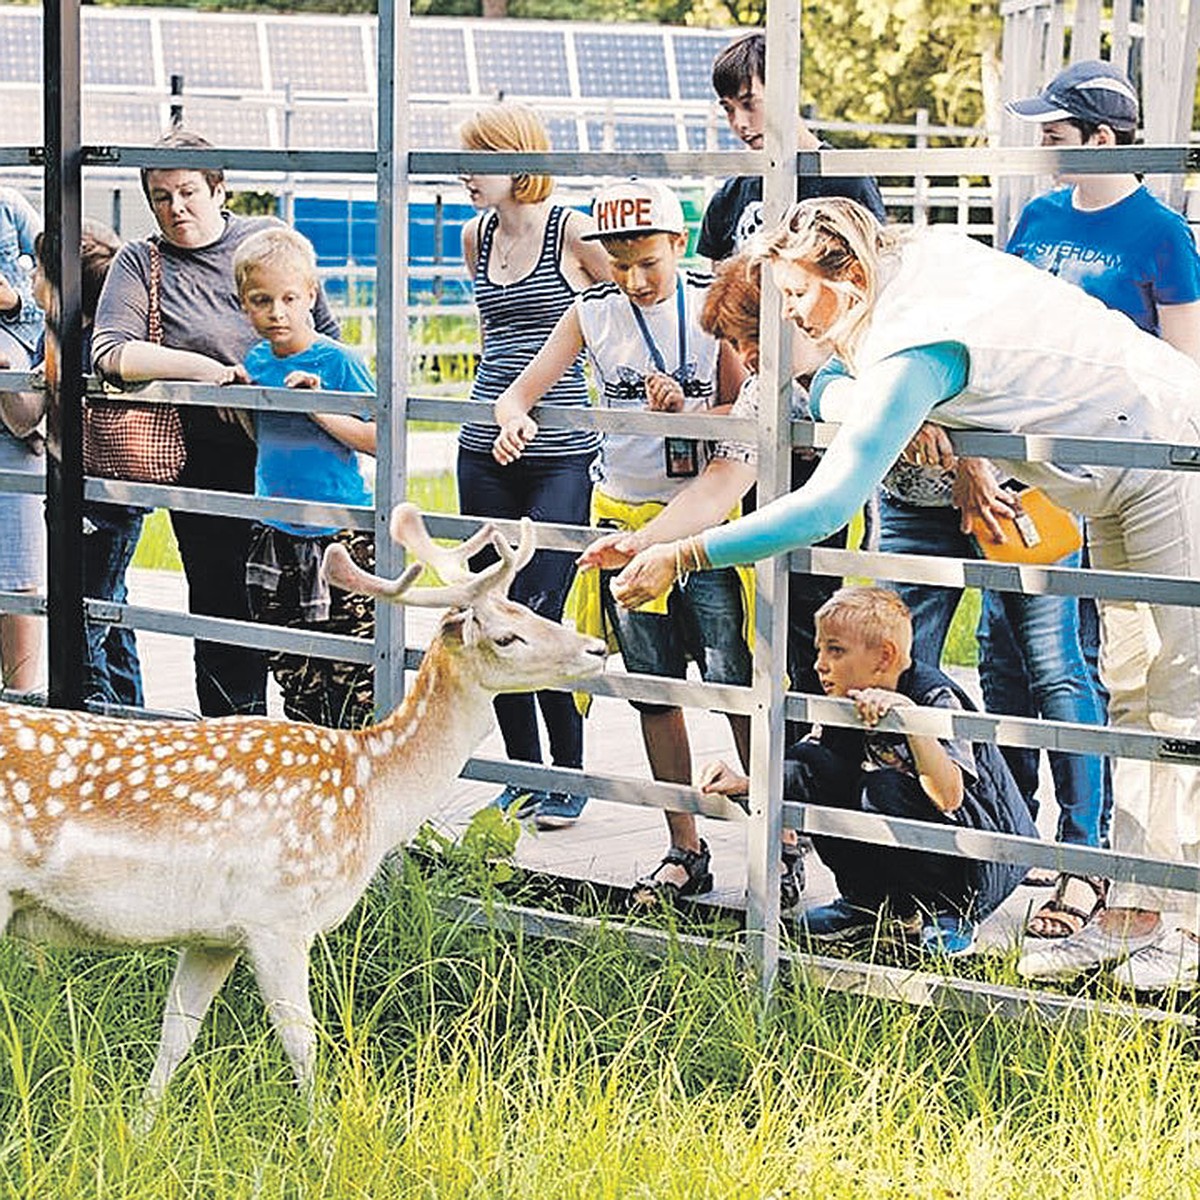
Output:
x=765 y=701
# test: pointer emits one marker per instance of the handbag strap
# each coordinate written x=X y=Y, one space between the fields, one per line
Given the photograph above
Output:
x=155 y=313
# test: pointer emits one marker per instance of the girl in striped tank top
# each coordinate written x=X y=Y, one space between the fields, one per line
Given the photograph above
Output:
x=527 y=259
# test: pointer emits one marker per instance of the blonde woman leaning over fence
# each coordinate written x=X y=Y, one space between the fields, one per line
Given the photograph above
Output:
x=934 y=325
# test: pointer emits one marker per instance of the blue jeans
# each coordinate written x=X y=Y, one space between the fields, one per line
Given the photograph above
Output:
x=112 y=672
x=703 y=621
x=1043 y=633
x=1036 y=665
x=555 y=489
x=908 y=529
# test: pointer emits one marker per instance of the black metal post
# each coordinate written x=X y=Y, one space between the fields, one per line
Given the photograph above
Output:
x=64 y=375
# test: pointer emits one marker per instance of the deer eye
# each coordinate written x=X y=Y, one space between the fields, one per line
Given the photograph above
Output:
x=507 y=639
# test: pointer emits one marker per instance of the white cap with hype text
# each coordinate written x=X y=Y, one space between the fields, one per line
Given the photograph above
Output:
x=636 y=207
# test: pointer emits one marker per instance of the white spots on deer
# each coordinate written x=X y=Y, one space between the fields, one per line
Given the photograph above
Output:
x=25 y=739
x=362 y=770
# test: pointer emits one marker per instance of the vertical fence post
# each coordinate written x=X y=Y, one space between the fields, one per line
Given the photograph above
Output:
x=774 y=462
x=920 y=207
x=391 y=342
x=64 y=467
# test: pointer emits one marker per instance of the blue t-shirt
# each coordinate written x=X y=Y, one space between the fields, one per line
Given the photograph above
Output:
x=1133 y=255
x=297 y=459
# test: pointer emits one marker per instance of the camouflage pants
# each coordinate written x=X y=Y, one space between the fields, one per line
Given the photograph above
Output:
x=322 y=691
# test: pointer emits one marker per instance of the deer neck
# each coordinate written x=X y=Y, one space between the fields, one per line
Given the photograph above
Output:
x=418 y=751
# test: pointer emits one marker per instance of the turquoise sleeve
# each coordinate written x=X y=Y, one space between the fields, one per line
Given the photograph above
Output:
x=895 y=398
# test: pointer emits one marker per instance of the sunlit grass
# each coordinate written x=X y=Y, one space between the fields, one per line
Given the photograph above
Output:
x=457 y=1063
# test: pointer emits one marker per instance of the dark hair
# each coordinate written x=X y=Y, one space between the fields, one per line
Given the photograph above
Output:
x=98 y=246
x=183 y=139
x=1087 y=131
x=739 y=64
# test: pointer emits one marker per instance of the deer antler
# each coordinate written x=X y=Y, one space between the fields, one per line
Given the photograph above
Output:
x=408 y=528
x=463 y=587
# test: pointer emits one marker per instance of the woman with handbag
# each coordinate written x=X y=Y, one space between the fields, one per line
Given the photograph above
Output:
x=933 y=324
x=23 y=547
x=169 y=310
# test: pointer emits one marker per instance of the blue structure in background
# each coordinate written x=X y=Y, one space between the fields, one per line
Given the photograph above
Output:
x=343 y=232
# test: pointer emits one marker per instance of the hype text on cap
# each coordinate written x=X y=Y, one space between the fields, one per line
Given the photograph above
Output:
x=636 y=207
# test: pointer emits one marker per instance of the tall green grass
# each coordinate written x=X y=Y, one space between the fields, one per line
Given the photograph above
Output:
x=458 y=1063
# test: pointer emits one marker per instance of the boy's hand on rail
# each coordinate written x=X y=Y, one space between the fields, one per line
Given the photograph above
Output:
x=515 y=434
x=873 y=703
x=720 y=779
x=302 y=379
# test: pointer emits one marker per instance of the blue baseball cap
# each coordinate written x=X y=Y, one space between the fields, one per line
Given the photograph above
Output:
x=1092 y=91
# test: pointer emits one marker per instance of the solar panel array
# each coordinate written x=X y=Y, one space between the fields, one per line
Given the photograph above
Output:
x=627 y=87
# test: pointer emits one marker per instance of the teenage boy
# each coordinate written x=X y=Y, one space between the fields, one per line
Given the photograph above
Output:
x=1121 y=244
x=305 y=456
x=648 y=350
x=864 y=644
x=734 y=213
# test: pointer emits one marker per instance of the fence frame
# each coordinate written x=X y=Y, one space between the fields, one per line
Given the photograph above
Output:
x=393 y=165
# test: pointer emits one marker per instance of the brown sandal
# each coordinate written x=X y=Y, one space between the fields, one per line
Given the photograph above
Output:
x=1063 y=914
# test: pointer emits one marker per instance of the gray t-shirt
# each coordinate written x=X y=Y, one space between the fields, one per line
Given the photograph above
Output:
x=199 y=302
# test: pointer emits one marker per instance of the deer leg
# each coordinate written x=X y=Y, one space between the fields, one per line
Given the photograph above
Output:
x=281 y=968
x=199 y=974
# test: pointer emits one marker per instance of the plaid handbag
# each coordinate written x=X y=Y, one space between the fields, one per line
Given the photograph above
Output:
x=125 y=439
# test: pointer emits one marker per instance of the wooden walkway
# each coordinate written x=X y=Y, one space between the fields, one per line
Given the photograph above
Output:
x=611 y=843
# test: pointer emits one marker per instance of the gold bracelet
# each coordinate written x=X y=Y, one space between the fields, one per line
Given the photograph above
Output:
x=681 y=575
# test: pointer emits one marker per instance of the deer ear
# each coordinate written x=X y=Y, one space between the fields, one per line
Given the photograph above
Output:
x=458 y=625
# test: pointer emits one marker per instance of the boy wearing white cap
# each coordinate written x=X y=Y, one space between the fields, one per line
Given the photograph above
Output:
x=648 y=350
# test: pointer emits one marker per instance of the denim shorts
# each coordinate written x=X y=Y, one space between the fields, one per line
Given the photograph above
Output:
x=703 y=622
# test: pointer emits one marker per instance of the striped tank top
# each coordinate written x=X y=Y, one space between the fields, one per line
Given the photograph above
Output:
x=517 y=318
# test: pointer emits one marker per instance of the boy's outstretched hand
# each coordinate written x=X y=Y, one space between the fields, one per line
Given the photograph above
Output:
x=610 y=552
x=873 y=703
x=650 y=573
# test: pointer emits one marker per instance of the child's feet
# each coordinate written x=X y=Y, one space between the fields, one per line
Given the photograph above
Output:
x=559 y=810
x=519 y=802
x=681 y=873
x=947 y=934
x=836 y=921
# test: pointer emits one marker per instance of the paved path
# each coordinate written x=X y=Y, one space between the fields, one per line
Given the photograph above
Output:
x=611 y=843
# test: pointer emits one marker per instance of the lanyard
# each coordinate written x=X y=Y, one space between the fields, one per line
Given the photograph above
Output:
x=681 y=323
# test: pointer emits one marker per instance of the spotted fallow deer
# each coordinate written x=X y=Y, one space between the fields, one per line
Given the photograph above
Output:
x=253 y=835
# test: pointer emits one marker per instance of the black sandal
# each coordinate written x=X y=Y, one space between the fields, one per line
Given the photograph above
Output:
x=649 y=889
x=1058 y=918
x=791 y=878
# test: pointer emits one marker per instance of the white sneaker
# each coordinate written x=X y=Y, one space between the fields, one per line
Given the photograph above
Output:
x=1092 y=946
x=1171 y=963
